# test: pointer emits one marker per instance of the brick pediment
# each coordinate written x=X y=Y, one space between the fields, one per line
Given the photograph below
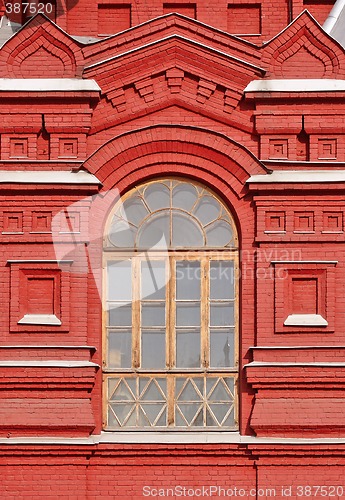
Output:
x=42 y=50
x=304 y=44
x=171 y=67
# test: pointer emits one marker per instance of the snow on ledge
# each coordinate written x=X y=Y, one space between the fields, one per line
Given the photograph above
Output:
x=295 y=85
x=47 y=177
x=48 y=85
x=297 y=176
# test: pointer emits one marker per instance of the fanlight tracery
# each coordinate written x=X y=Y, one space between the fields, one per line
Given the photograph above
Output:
x=171 y=214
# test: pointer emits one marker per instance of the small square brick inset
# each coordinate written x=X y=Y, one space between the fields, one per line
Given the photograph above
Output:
x=244 y=19
x=327 y=149
x=18 y=148
x=304 y=222
x=333 y=222
x=12 y=223
x=275 y=222
x=41 y=222
x=68 y=148
x=70 y=222
x=278 y=148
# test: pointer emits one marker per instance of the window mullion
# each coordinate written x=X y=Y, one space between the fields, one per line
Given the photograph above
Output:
x=205 y=309
x=171 y=336
x=171 y=310
x=136 y=312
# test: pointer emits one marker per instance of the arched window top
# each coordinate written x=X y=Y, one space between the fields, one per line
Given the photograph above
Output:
x=171 y=214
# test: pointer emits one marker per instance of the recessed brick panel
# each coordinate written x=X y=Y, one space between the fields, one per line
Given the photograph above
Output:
x=244 y=19
x=113 y=18
x=40 y=295
x=304 y=288
x=188 y=9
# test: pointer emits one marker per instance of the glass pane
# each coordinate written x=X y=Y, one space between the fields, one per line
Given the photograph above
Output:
x=155 y=232
x=185 y=232
x=222 y=279
x=134 y=210
x=120 y=349
x=122 y=411
x=219 y=234
x=187 y=349
x=153 y=314
x=190 y=412
x=184 y=196
x=222 y=314
x=189 y=393
x=187 y=313
x=220 y=411
x=122 y=234
x=188 y=280
x=153 y=349
x=222 y=348
x=120 y=280
x=120 y=314
x=153 y=280
x=153 y=392
x=157 y=196
x=121 y=393
x=152 y=411
x=207 y=210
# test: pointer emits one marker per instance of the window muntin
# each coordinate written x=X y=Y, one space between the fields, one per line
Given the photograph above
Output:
x=170 y=316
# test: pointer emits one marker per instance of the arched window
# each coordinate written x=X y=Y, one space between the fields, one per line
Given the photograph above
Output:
x=170 y=320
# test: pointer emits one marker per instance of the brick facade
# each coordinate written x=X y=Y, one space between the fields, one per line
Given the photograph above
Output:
x=172 y=96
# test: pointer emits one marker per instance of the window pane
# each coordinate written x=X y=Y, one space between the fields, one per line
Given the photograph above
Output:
x=222 y=314
x=187 y=348
x=153 y=314
x=185 y=232
x=120 y=314
x=188 y=314
x=120 y=280
x=184 y=196
x=219 y=234
x=122 y=234
x=222 y=348
x=188 y=280
x=155 y=232
x=157 y=196
x=134 y=210
x=120 y=349
x=153 y=280
x=222 y=279
x=207 y=210
x=153 y=349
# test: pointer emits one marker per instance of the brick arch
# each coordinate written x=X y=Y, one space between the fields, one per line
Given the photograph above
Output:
x=164 y=149
x=61 y=61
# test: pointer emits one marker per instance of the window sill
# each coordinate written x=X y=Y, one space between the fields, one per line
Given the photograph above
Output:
x=305 y=320
x=169 y=436
x=39 y=319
